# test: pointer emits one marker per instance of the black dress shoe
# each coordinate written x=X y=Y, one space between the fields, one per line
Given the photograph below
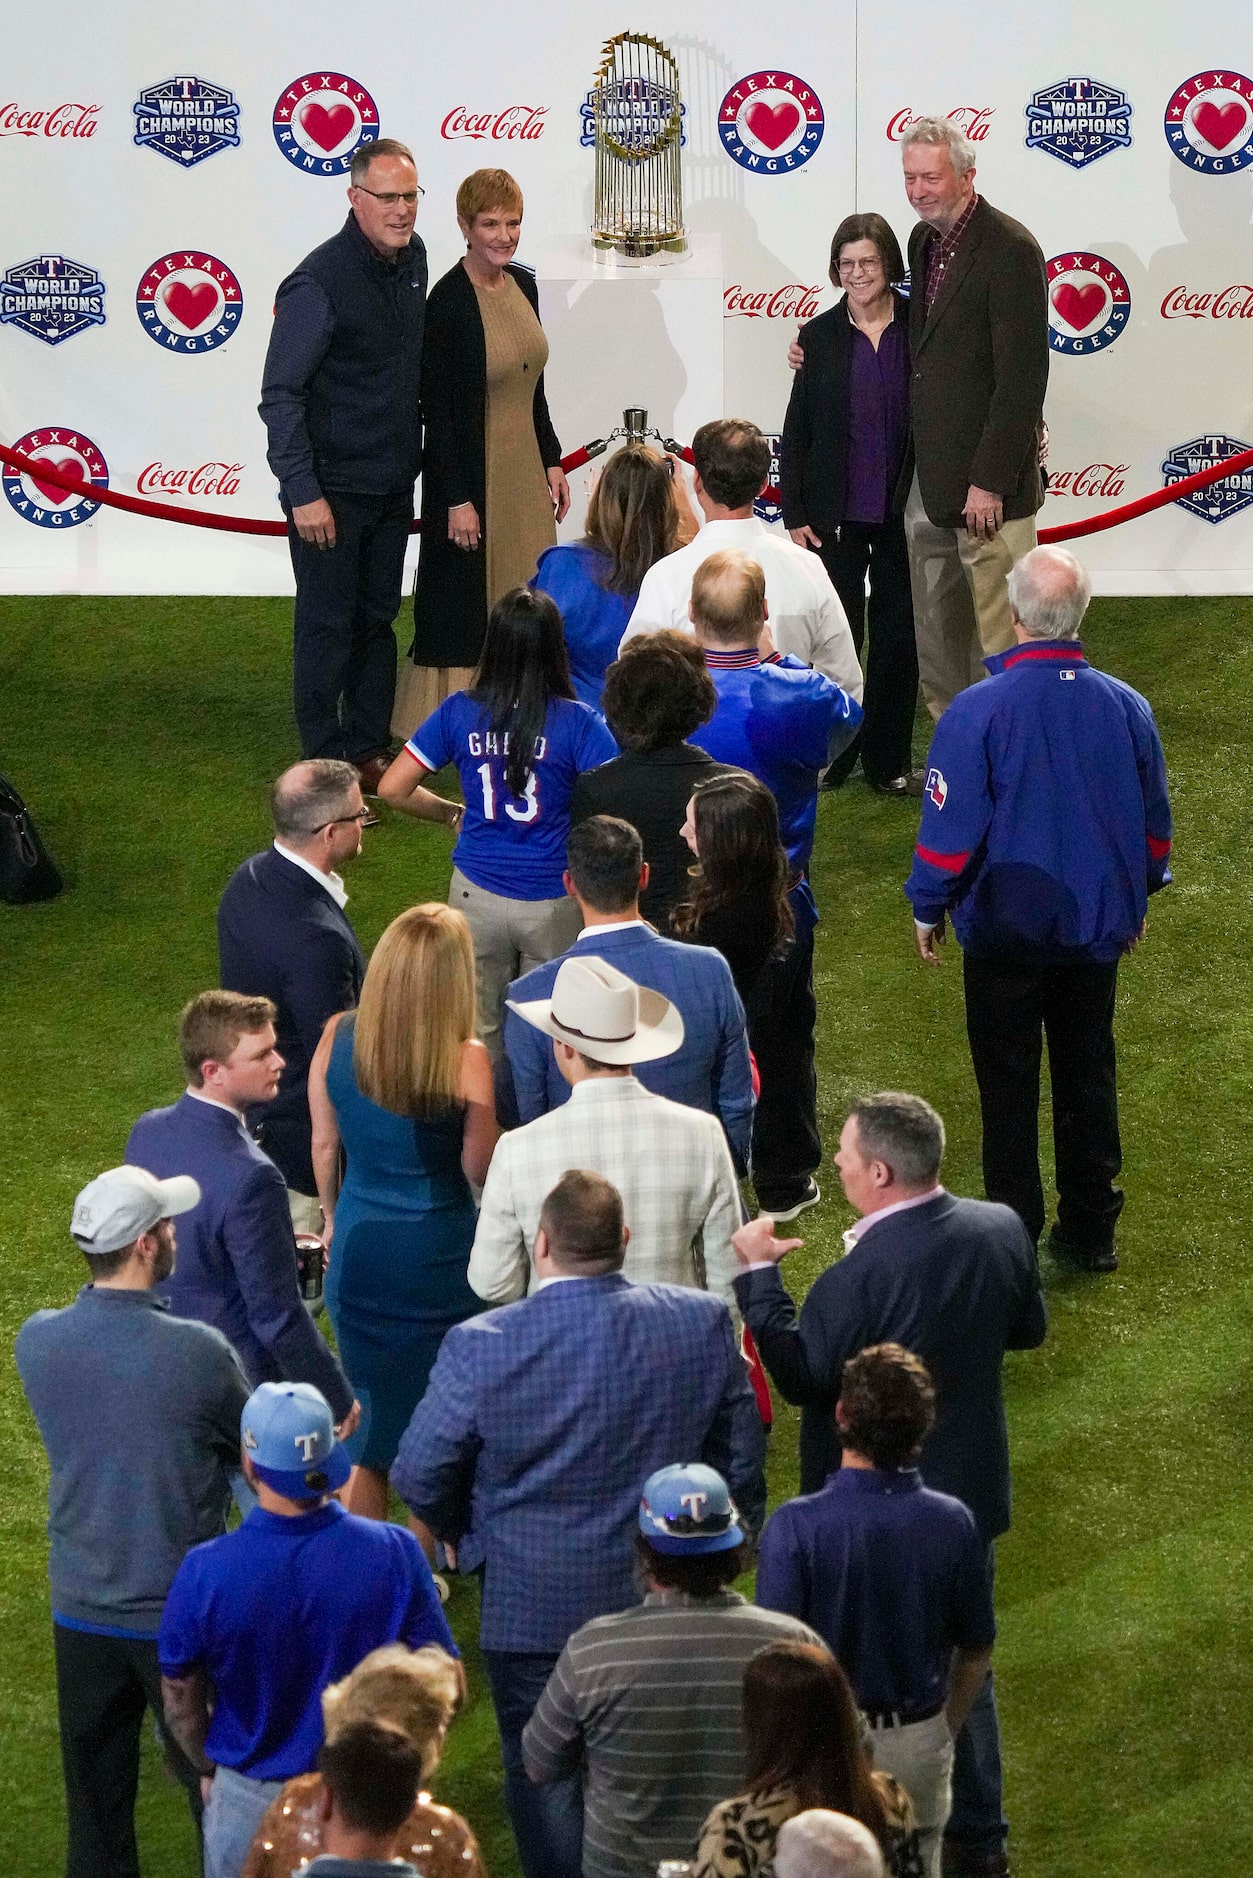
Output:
x=911 y=784
x=1089 y=1258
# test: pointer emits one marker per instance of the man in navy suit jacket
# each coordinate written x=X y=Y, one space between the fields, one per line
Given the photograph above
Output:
x=237 y=1253
x=283 y=935
x=606 y=872
x=956 y=1282
x=528 y=1451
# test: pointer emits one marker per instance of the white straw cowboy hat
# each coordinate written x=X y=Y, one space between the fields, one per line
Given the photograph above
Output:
x=599 y=1010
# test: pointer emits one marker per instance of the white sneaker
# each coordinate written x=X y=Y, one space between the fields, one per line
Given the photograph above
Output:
x=813 y=1193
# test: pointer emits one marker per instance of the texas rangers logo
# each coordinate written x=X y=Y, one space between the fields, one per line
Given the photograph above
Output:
x=321 y=121
x=186 y=120
x=70 y=455
x=1221 y=500
x=937 y=788
x=768 y=507
x=1078 y=120
x=51 y=298
x=1089 y=303
x=1209 y=123
x=189 y=301
x=771 y=122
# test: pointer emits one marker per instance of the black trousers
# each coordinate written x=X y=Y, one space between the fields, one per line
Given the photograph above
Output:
x=884 y=741
x=786 y=1144
x=1009 y=1007
x=344 y=651
x=104 y=1684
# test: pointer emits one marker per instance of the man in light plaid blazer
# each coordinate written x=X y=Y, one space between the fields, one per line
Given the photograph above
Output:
x=539 y=1425
x=670 y=1164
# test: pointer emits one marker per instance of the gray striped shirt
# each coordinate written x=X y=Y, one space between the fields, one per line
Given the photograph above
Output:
x=648 y=1702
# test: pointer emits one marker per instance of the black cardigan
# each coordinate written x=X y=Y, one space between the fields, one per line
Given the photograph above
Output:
x=450 y=600
x=813 y=456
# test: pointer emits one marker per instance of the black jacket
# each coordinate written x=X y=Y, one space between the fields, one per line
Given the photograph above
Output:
x=980 y=371
x=450 y=600
x=651 y=790
x=813 y=456
x=281 y=936
x=341 y=387
x=955 y=1281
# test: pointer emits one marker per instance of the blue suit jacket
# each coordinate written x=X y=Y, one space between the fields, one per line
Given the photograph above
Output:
x=236 y=1264
x=711 y=1070
x=955 y=1281
x=540 y=1425
x=281 y=936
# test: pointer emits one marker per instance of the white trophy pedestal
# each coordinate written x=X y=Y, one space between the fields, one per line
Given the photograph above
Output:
x=621 y=333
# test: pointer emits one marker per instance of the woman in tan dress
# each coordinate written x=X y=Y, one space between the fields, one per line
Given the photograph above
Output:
x=417 y=1691
x=493 y=488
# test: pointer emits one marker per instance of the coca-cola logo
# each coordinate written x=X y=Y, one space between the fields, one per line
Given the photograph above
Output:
x=792 y=302
x=207 y=479
x=63 y=120
x=1104 y=480
x=517 y=123
x=973 y=120
x=1229 y=303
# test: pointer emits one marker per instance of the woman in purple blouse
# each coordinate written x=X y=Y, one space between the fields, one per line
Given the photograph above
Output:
x=844 y=441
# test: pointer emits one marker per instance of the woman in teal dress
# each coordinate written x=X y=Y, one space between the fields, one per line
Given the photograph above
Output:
x=404 y=1089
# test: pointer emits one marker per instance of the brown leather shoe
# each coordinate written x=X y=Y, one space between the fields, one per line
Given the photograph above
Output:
x=371 y=771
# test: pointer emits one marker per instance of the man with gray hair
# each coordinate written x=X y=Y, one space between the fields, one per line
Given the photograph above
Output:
x=978 y=337
x=1045 y=827
x=821 y=1844
x=283 y=934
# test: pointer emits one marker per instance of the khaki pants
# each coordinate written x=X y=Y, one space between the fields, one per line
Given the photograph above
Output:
x=510 y=937
x=961 y=607
x=305 y=1210
x=920 y=1756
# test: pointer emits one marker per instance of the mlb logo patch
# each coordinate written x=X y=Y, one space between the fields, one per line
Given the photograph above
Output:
x=937 y=788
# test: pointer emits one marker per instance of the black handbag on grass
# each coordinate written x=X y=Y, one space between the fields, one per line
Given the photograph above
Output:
x=27 y=870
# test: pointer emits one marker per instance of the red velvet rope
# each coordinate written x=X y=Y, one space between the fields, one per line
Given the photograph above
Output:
x=242 y=525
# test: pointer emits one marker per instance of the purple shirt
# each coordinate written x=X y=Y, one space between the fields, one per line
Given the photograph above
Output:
x=878 y=419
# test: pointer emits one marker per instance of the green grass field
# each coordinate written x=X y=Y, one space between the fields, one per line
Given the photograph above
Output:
x=145 y=734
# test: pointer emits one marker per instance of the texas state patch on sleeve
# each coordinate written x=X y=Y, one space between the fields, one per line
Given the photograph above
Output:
x=937 y=788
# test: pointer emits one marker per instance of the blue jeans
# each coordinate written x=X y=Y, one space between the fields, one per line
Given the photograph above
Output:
x=978 y=1816
x=547 y=1821
x=236 y=1808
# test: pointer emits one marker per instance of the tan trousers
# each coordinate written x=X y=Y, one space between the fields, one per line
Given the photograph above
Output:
x=306 y=1211
x=510 y=937
x=961 y=606
x=920 y=1756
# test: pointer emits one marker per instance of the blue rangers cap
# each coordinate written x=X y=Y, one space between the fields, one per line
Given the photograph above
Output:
x=689 y=1510
x=289 y=1436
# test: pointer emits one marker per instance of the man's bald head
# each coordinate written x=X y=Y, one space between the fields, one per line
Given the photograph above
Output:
x=309 y=795
x=1049 y=592
x=822 y=1844
x=728 y=599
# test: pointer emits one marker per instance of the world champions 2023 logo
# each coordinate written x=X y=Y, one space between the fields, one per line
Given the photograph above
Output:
x=322 y=120
x=186 y=120
x=52 y=298
x=1221 y=500
x=72 y=456
x=771 y=122
x=1078 y=120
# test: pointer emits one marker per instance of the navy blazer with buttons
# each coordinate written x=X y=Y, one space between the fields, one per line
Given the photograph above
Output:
x=955 y=1281
x=236 y=1266
x=281 y=936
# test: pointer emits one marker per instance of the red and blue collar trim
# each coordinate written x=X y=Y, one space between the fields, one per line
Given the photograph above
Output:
x=738 y=659
x=1037 y=651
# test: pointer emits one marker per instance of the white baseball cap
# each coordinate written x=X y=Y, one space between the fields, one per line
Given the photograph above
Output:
x=115 y=1208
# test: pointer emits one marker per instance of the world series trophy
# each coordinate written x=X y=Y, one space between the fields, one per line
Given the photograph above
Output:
x=637 y=117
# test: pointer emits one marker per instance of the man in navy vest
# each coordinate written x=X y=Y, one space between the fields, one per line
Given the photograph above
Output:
x=339 y=399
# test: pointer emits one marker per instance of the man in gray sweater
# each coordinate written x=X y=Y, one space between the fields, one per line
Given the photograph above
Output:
x=139 y=1412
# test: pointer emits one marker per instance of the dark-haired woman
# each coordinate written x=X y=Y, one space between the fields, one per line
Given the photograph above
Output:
x=637 y=512
x=803 y=1748
x=742 y=899
x=655 y=696
x=844 y=441
x=519 y=739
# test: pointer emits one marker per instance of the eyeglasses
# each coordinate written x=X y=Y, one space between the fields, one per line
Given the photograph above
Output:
x=848 y=268
x=360 y=815
x=390 y=197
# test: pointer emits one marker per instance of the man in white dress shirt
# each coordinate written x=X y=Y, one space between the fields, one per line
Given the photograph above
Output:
x=806 y=618
x=671 y=1164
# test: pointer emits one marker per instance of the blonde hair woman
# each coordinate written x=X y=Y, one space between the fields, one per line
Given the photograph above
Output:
x=404 y=1090
x=417 y=1691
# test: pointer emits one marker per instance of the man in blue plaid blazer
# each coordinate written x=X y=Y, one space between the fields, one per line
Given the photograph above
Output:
x=527 y=1453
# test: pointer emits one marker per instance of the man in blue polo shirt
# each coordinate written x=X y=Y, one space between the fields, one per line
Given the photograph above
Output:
x=784 y=724
x=892 y=1576
x=258 y=1623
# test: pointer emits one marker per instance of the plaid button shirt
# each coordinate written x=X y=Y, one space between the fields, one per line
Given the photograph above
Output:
x=941 y=250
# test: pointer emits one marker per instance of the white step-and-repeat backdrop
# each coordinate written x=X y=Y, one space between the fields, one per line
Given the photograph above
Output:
x=163 y=167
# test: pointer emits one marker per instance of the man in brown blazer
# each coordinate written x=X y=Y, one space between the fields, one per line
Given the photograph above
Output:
x=971 y=482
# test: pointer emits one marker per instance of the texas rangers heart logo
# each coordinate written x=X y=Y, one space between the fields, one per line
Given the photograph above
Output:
x=189 y=301
x=771 y=122
x=51 y=297
x=322 y=120
x=1089 y=303
x=74 y=458
x=186 y=120
x=1209 y=123
x=937 y=788
x=1078 y=120
x=1221 y=500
